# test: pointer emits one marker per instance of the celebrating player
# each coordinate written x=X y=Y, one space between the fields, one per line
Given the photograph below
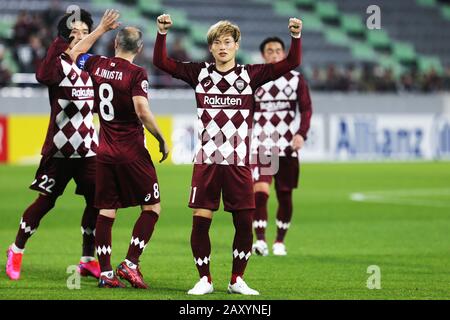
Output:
x=70 y=146
x=126 y=175
x=276 y=133
x=224 y=94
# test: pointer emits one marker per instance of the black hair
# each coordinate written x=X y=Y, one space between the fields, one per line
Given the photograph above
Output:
x=270 y=39
x=63 y=29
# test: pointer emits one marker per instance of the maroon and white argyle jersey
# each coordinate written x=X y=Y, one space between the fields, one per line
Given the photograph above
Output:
x=71 y=132
x=225 y=105
x=225 y=101
x=275 y=119
x=224 y=110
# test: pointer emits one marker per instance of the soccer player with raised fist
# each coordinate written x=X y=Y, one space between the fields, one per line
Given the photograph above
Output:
x=70 y=146
x=126 y=176
x=281 y=122
x=225 y=103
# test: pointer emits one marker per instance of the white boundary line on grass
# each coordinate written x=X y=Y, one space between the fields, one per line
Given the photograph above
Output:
x=404 y=197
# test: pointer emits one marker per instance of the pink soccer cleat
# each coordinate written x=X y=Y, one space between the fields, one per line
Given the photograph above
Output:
x=13 y=264
x=91 y=268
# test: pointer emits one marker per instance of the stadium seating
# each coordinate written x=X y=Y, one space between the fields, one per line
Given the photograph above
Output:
x=335 y=31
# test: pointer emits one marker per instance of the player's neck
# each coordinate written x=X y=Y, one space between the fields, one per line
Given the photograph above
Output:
x=126 y=56
x=225 y=66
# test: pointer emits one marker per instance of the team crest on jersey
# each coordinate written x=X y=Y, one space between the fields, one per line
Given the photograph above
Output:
x=240 y=84
x=144 y=85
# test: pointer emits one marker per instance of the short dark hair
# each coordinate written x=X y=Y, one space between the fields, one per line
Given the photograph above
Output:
x=85 y=17
x=270 y=39
x=130 y=39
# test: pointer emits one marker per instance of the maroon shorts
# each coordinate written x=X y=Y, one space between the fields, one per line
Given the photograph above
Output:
x=125 y=185
x=54 y=174
x=286 y=178
x=210 y=180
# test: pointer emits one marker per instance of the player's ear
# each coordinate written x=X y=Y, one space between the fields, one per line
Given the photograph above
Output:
x=140 y=49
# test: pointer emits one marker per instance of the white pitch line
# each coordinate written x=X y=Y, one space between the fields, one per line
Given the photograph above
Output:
x=387 y=197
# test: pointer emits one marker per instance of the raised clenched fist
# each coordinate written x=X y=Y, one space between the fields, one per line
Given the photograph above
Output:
x=164 y=22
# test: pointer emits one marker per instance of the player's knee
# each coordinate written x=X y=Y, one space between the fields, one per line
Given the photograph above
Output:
x=156 y=208
x=284 y=195
x=110 y=213
x=261 y=187
x=47 y=202
x=243 y=219
x=205 y=213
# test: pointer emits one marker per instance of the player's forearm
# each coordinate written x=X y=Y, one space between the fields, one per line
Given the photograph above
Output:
x=160 y=58
x=86 y=44
x=305 y=107
x=45 y=70
x=149 y=122
x=305 y=122
x=292 y=61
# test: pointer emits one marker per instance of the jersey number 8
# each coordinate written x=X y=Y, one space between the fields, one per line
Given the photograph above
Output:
x=106 y=107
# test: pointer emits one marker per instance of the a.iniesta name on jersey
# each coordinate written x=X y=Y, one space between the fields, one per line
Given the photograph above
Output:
x=109 y=75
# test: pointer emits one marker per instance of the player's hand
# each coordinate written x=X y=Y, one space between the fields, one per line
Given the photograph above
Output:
x=295 y=26
x=164 y=22
x=164 y=149
x=109 y=20
x=297 y=142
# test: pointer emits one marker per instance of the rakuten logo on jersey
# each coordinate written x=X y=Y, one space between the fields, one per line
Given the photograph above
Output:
x=274 y=106
x=83 y=93
x=222 y=101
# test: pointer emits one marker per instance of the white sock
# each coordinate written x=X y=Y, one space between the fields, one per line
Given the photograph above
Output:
x=16 y=250
x=130 y=264
x=86 y=259
x=108 y=274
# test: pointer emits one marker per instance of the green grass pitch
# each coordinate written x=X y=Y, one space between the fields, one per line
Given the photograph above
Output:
x=402 y=225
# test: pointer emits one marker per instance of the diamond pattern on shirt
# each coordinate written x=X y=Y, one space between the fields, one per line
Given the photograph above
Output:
x=275 y=112
x=223 y=125
x=76 y=135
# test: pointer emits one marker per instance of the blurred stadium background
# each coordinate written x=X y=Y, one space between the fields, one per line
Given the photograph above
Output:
x=378 y=96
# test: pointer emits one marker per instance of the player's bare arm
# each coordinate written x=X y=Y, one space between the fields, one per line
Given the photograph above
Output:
x=147 y=118
x=164 y=22
x=109 y=22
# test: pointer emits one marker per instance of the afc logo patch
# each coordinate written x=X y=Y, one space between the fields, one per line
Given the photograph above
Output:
x=144 y=86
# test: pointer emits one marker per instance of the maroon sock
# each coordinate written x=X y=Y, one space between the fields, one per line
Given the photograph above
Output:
x=88 y=222
x=260 y=220
x=201 y=245
x=103 y=230
x=32 y=217
x=284 y=213
x=242 y=245
x=142 y=232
